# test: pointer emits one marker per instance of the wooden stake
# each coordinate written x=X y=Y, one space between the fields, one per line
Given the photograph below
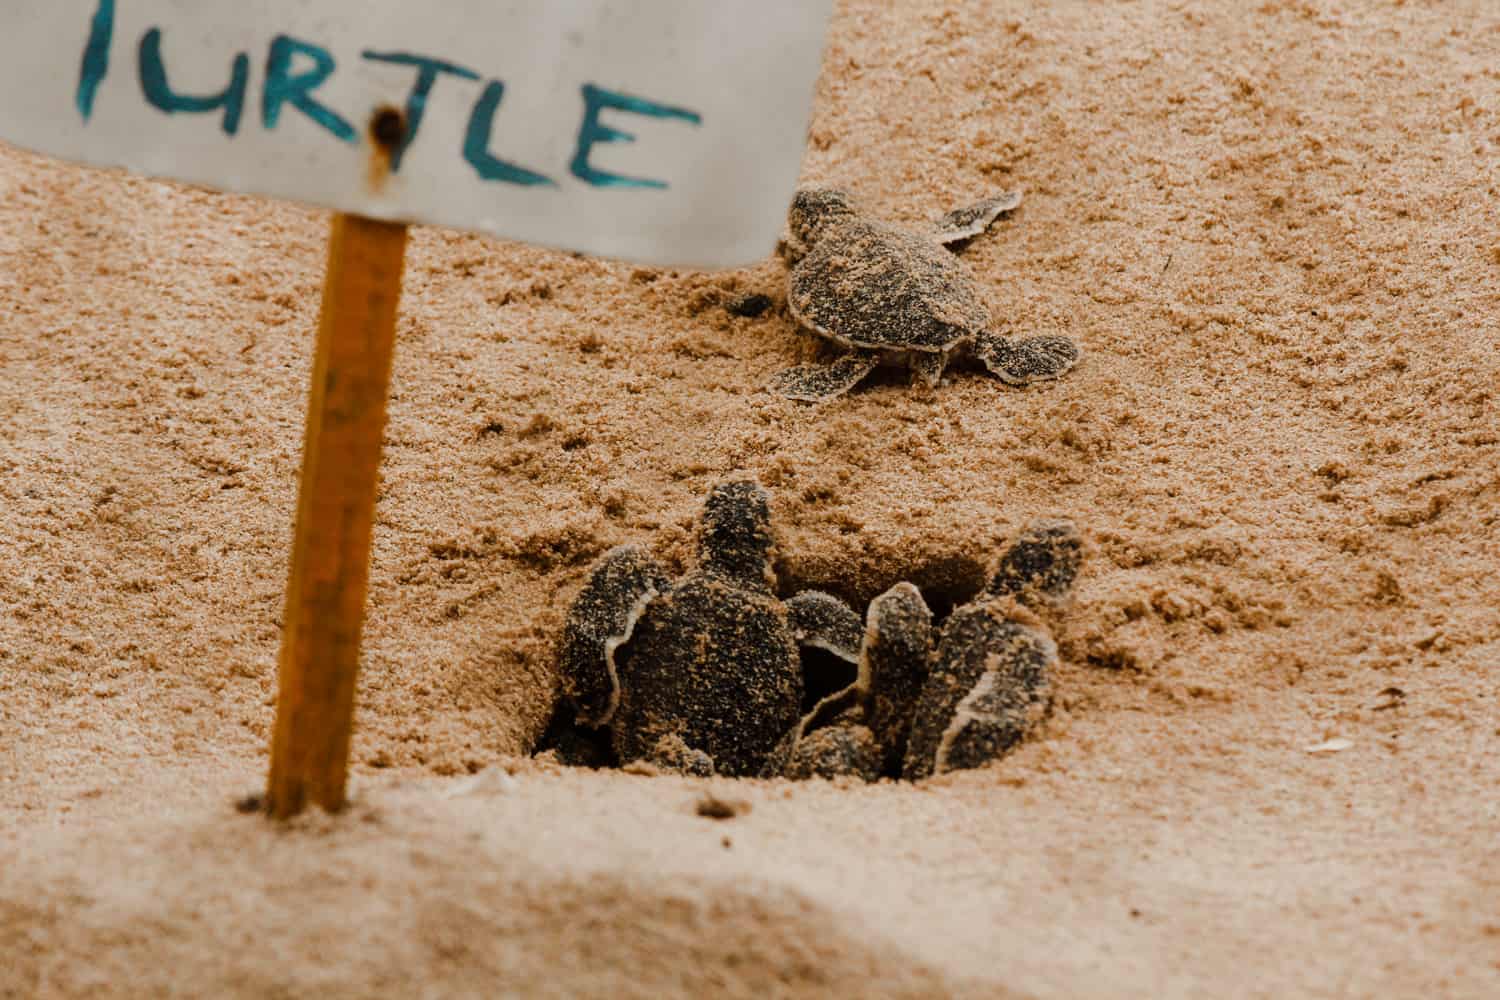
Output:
x=325 y=600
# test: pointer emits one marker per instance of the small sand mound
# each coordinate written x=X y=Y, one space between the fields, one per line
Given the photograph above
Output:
x=416 y=899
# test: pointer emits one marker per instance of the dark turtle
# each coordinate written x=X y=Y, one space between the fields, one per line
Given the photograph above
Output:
x=898 y=297
x=846 y=748
x=705 y=671
x=920 y=707
x=991 y=670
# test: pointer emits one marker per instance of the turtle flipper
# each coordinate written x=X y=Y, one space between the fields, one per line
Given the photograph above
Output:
x=894 y=663
x=816 y=383
x=1001 y=708
x=673 y=755
x=989 y=686
x=963 y=224
x=822 y=621
x=1028 y=359
x=1041 y=564
x=601 y=619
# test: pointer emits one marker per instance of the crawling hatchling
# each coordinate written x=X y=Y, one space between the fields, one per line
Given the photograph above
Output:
x=701 y=675
x=896 y=297
x=959 y=696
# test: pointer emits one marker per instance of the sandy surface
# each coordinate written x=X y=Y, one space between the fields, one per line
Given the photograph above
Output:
x=1270 y=225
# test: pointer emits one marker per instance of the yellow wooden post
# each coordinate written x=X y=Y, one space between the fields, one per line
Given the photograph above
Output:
x=325 y=599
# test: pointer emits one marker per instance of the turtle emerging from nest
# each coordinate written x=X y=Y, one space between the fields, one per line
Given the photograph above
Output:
x=897 y=297
x=952 y=696
x=701 y=675
x=712 y=673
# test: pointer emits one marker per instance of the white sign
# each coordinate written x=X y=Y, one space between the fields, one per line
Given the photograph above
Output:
x=667 y=131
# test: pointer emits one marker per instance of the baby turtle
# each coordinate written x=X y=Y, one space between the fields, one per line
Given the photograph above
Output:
x=919 y=708
x=846 y=748
x=704 y=674
x=898 y=297
x=990 y=678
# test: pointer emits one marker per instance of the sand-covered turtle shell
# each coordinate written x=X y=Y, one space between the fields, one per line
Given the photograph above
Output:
x=867 y=284
x=715 y=664
x=706 y=674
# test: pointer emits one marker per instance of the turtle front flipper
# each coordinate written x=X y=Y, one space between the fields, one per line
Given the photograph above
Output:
x=816 y=383
x=602 y=619
x=989 y=686
x=1040 y=565
x=1028 y=359
x=963 y=224
x=894 y=663
x=823 y=622
x=1001 y=708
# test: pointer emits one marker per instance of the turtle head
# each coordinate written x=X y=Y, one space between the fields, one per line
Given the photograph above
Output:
x=734 y=535
x=815 y=210
x=1040 y=564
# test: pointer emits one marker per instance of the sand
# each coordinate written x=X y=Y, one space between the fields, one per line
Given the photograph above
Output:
x=1271 y=228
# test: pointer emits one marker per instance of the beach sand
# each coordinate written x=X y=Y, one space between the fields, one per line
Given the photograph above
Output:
x=1271 y=227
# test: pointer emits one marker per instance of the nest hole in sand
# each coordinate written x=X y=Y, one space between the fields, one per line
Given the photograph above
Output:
x=947 y=581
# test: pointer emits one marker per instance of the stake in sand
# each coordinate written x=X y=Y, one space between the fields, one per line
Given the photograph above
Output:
x=666 y=133
x=325 y=599
x=330 y=566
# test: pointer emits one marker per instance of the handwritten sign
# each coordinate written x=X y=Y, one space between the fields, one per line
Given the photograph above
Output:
x=666 y=131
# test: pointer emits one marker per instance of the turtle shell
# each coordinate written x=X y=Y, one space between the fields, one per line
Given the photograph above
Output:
x=867 y=284
x=716 y=665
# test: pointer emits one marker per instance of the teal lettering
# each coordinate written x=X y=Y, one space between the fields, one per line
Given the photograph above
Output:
x=592 y=131
x=95 y=57
x=284 y=87
x=416 y=102
x=477 y=143
x=160 y=94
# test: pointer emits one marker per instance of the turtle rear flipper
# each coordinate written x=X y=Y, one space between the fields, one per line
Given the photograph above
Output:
x=672 y=754
x=955 y=229
x=840 y=750
x=989 y=685
x=816 y=383
x=1028 y=359
x=602 y=619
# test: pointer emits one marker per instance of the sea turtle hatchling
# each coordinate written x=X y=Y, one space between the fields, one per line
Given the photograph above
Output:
x=928 y=701
x=701 y=675
x=897 y=297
